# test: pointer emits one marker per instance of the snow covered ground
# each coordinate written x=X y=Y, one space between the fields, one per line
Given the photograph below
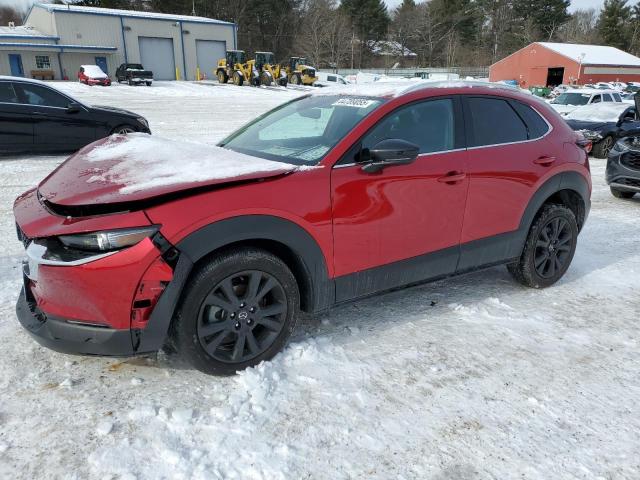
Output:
x=470 y=378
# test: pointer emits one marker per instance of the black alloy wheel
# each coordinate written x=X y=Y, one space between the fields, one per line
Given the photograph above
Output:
x=238 y=308
x=548 y=249
x=242 y=316
x=553 y=247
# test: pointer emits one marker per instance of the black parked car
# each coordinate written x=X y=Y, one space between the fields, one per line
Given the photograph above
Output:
x=134 y=73
x=36 y=117
x=623 y=168
x=604 y=124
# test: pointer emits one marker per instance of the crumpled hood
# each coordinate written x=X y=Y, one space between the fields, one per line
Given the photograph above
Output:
x=135 y=167
x=585 y=125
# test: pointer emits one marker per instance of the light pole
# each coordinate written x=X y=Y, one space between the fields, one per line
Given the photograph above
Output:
x=580 y=59
x=193 y=10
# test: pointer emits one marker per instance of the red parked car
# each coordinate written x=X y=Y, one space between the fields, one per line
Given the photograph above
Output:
x=93 y=75
x=134 y=242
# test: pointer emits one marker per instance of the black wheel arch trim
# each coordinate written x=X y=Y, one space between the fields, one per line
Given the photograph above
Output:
x=320 y=294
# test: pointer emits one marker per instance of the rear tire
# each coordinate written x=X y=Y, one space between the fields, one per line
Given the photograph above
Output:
x=295 y=79
x=549 y=249
x=237 y=310
x=149 y=84
x=131 y=83
x=603 y=147
x=222 y=76
x=622 y=193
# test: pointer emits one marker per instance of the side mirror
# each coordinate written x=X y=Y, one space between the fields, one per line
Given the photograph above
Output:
x=74 y=108
x=389 y=153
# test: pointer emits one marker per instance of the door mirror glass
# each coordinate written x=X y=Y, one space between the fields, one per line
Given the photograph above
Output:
x=390 y=152
x=73 y=108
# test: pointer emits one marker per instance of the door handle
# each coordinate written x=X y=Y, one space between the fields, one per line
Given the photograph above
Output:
x=545 y=161
x=453 y=177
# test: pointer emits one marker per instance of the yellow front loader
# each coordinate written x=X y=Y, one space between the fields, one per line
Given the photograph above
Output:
x=237 y=68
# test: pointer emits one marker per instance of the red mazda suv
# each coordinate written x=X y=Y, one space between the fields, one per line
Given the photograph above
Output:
x=135 y=242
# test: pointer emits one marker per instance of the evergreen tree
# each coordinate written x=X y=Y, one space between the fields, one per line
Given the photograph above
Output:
x=369 y=17
x=546 y=16
x=613 y=25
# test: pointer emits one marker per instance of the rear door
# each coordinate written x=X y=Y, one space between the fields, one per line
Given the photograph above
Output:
x=16 y=125
x=403 y=224
x=55 y=127
x=508 y=154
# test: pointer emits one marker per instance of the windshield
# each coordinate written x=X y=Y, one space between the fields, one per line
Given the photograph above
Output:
x=301 y=132
x=572 y=99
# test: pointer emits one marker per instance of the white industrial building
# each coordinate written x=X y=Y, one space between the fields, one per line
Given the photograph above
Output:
x=56 y=39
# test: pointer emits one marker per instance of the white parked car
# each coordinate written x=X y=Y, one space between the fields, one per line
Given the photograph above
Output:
x=571 y=99
x=621 y=86
x=326 y=79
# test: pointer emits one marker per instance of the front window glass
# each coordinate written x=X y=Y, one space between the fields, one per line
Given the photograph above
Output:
x=572 y=99
x=42 y=96
x=303 y=131
x=596 y=99
x=430 y=125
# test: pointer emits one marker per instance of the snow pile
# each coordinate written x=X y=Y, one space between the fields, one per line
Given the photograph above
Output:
x=146 y=161
x=598 y=112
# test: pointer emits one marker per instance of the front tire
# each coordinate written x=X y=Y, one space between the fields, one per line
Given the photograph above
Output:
x=237 y=310
x=123 y=130
x=622 y=193
x=603 y=147
x=549 y=248
x=238 y=79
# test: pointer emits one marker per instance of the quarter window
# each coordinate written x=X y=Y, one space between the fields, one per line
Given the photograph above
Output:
x=42 y=96
x=536 y=126
x=430 y=125
x=43 y=62
x=7 y=93
x=495 y=122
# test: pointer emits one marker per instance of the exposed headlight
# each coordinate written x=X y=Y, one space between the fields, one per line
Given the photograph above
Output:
x=627 y=143
x=591 y=135
x=109 y=240
x=143 y=121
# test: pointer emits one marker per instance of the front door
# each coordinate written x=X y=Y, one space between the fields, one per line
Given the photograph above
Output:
x=102 y=63
x=401 y=225
x=55 y=127
x=15 y=63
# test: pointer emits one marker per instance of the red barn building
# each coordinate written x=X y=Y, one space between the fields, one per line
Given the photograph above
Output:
x=544 y=64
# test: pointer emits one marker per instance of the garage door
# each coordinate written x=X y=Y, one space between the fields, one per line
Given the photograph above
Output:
x=156 y=54
x=209 y=52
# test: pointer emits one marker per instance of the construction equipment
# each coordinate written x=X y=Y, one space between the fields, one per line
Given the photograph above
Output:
x=299 y=73
x=268 y=70
x=237 y=68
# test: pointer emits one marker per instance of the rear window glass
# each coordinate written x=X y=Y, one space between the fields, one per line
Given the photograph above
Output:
x=535 y=123
x=7 y=93
x=495 y=122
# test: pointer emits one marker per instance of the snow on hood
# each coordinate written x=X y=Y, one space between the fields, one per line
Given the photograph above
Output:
x=93 y=71
x=138 y=166
x=150 y=162
x=598 y=112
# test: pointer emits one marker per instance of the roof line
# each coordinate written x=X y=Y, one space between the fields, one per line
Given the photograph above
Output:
x=169 y=18
x=59 y=47
x=39 y=37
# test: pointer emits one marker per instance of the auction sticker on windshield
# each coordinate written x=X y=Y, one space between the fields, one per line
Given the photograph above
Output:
x=354 y=102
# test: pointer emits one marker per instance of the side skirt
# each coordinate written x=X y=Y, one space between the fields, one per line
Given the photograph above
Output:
x=479 y=254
